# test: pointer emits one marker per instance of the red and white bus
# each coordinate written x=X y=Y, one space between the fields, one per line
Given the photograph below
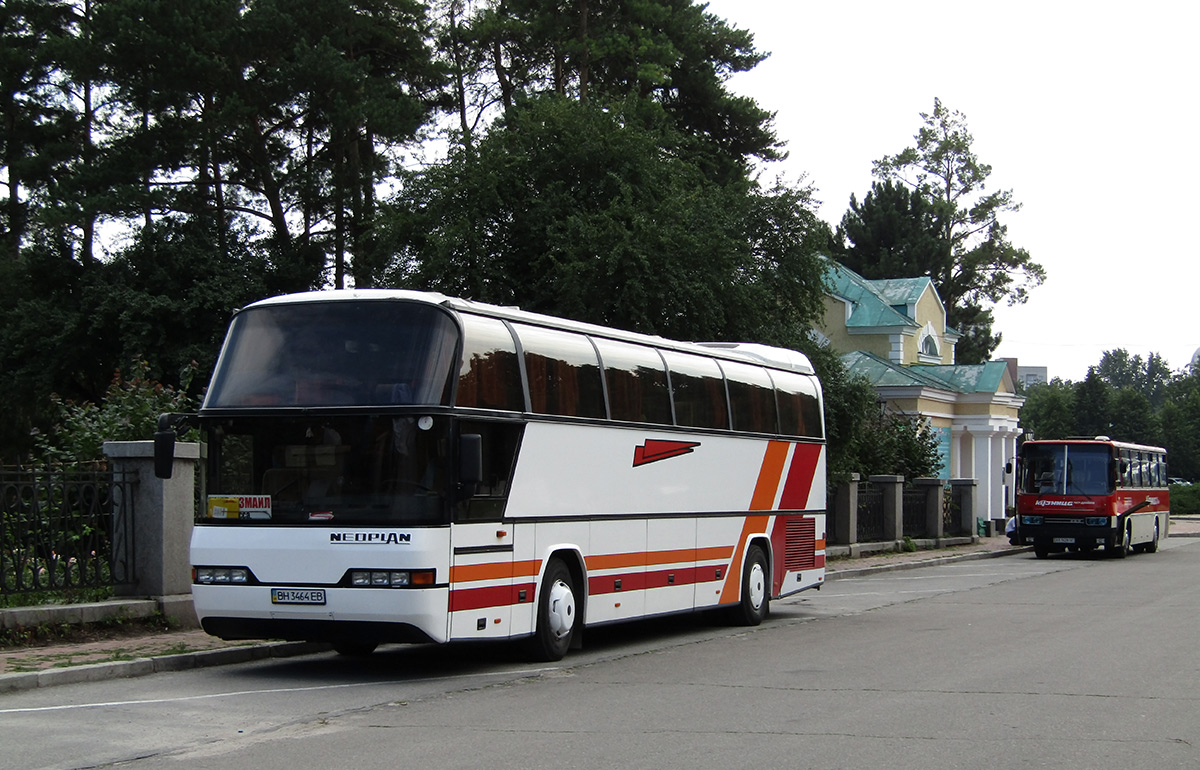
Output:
x=1082 y=494
x=394 y=466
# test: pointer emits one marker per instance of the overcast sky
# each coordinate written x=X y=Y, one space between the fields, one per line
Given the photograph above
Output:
x=1086 y=111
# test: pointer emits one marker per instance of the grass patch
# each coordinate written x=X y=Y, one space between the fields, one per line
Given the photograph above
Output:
x=46 y=635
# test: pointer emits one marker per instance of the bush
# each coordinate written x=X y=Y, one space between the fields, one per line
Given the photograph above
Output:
x=129 y=413
x=1185 y=499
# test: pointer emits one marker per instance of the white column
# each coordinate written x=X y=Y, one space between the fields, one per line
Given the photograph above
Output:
x=984 y=475
x=997 y=474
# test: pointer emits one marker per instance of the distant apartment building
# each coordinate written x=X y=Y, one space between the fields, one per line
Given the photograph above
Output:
x=1027 y=376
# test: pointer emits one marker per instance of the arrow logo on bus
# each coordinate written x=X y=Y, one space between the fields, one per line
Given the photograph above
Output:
x=656 y=449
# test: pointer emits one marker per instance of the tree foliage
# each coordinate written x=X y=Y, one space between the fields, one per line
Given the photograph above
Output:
x=1128 y=399
x=165 y=163
x=949 y=228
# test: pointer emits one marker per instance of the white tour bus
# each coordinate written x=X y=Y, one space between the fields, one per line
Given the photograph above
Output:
x=399 y=466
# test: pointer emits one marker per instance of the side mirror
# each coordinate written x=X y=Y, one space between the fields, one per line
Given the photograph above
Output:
x=164 y=453
x=164 y=443
x=1008 y=467
x=470 y=462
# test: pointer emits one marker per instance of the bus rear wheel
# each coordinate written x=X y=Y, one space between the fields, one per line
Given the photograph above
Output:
x=556 y=614
x=756 y=589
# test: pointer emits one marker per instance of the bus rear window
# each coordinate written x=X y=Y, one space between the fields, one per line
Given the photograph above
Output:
x=315 y=354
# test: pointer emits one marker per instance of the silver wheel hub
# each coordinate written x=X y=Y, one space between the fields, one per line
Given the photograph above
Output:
x=561 y=609
x=757 y=585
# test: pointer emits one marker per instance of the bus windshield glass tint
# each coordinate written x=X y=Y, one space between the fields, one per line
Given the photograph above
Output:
x=362 y=469
x=1066 y=469
x=316 y=354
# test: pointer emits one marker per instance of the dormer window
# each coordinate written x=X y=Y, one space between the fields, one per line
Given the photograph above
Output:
x=927 y=347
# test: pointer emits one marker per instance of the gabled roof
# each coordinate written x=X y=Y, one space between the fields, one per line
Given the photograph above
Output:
x=881 y=302
x=958 y=378
x=870 y=307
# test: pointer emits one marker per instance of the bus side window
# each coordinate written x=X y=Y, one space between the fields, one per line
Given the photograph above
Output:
x=489 y=376
x=637 y=382
x=751 y=398
x=499 y=442
x=697 y=390
x=563 y=371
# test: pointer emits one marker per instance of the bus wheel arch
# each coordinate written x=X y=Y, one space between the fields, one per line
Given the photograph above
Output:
x=1122 y=544
x=559 y=615
x=754 y=603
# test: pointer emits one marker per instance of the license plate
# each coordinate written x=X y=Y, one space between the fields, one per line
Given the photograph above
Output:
x=1068 y=540
x=297 y=596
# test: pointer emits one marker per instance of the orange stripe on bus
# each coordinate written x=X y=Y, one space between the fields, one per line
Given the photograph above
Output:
x=769 y=475
x=654 y=558
x=733 y=578
x=468 y=572
x=616 y=560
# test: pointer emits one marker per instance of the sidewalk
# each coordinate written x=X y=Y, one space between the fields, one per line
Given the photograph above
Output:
x=176 y=650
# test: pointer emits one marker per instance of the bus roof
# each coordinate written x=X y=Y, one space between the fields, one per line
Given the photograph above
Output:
x=1098 y=440
x=754 y=353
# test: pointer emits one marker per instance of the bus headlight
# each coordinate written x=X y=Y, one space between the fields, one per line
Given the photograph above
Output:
x=1031 y=520
x=1097 y=521
x=363 y=578
x=221 y=575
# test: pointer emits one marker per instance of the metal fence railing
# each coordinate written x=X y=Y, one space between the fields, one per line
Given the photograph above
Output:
x=913 y=501
x=952 y=505
x=65 y=529
x=870 y=513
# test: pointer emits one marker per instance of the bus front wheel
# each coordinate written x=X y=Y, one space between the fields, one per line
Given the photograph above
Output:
x=556 y=613
x=1120 y=548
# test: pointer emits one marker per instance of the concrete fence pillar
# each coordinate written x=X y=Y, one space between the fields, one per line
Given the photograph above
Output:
x=843 y=524
x=162 y=515
x=893 y=505
x=934 y=523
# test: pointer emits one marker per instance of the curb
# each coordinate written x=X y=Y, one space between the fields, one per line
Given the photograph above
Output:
x=933 y=562
x=98 y=672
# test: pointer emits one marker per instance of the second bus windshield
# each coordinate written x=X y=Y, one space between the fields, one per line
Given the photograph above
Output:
x=1066 y=469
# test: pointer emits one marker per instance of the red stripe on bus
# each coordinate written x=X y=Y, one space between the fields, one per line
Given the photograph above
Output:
x=800 y=477
x=494 y=596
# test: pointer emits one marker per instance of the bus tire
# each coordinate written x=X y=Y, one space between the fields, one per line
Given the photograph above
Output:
x=556 y=613
x=1041 y=551
x=756 y=589
x=1121 y=548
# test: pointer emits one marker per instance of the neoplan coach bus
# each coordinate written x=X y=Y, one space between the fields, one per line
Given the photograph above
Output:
x=398 y=466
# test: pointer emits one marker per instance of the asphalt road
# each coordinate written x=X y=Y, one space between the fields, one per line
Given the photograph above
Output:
x=1004 y=663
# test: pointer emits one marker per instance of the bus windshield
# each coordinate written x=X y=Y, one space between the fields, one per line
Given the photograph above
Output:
x=315 y=354
x=356 y=469
x=1066 y=469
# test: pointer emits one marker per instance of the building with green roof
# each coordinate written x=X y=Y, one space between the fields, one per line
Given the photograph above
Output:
x=893 y=333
